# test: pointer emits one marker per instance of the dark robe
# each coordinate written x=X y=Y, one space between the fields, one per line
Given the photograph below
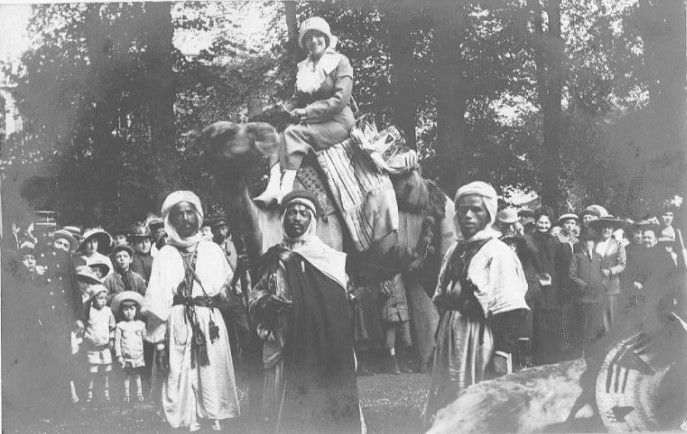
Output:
x=321 y=393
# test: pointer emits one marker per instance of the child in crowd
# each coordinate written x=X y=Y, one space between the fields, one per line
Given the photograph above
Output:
x=393 y=312
x=86 y=277
x=27 y=257
x=100 y=268
x=129 y=335
x=123 y=279
x=99 y=338
x=142 y=241
x=119 y=236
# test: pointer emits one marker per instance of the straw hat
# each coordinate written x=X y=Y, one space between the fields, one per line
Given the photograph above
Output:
x=67 y=235
x=100 y=262
x=94 y=290
x=126 y=296
x=567 y=216
x=615 y=222
x=85 y=273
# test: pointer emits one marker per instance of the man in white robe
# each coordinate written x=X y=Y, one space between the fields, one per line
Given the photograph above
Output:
x=188 y=281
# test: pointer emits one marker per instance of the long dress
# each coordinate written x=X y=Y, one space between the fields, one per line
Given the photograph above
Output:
x=191 y=389
x=310 y=382
x=466 y=343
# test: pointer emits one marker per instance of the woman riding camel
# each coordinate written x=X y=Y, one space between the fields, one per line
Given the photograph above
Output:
x=320 y=103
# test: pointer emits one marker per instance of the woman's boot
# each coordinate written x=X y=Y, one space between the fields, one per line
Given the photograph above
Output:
x=272 y=191
x=286 y=184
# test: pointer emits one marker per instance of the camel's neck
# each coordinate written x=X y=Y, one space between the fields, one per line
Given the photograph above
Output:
x=243 y=216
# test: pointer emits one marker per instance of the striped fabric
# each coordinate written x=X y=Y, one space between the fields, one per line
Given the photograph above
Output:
x=363 y=194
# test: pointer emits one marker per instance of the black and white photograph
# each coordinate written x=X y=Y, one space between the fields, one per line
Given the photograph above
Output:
x=343 y=216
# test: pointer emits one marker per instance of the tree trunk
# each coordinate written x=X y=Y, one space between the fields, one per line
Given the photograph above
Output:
x=292 y=31
x=161 y=94
x=451 y=93
x=404 y=92
x=99 y=187
x=549 y=52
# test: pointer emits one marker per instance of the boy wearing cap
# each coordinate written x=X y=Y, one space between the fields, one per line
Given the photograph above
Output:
x=142 y=262
x=123 y=279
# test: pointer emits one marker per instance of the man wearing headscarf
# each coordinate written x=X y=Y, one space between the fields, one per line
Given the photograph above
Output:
x=188 y=282
x=481 y=298
x=300 y=308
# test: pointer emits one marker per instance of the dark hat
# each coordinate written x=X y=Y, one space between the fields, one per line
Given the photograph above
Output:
x=608 y=220
x=139 y=231
x=303 y=197
x=525 y=212
x=155 y=223
x=125 y=247
x=218 y=221
x=104 y=239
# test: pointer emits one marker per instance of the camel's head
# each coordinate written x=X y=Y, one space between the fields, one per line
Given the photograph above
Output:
x=236 y=147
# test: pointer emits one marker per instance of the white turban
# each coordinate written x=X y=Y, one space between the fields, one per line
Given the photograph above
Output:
x=486 y=191
x=170 y=202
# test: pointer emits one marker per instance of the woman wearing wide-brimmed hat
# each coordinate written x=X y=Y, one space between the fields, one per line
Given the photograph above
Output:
x=94 y=242
x=613 y=263
x=324 y=83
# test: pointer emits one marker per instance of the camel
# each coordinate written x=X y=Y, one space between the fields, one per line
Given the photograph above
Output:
x=234 y=150
x=533 y=400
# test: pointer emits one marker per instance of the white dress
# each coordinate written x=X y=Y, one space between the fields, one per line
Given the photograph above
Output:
x=191 y=391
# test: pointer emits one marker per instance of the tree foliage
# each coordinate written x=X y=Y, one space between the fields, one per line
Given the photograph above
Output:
x=107 y=95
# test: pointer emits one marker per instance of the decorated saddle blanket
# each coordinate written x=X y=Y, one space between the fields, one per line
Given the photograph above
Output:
x=362 y=192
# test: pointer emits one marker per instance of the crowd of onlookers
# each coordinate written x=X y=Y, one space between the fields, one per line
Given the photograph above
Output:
x=72 y=320
x=586 y=273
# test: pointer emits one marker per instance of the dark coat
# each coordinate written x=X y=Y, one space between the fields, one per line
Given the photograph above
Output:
x=142 y=264
x=586 y=275
x=548 y=250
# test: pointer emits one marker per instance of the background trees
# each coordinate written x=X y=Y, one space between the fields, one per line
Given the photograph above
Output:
x=581 y=101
